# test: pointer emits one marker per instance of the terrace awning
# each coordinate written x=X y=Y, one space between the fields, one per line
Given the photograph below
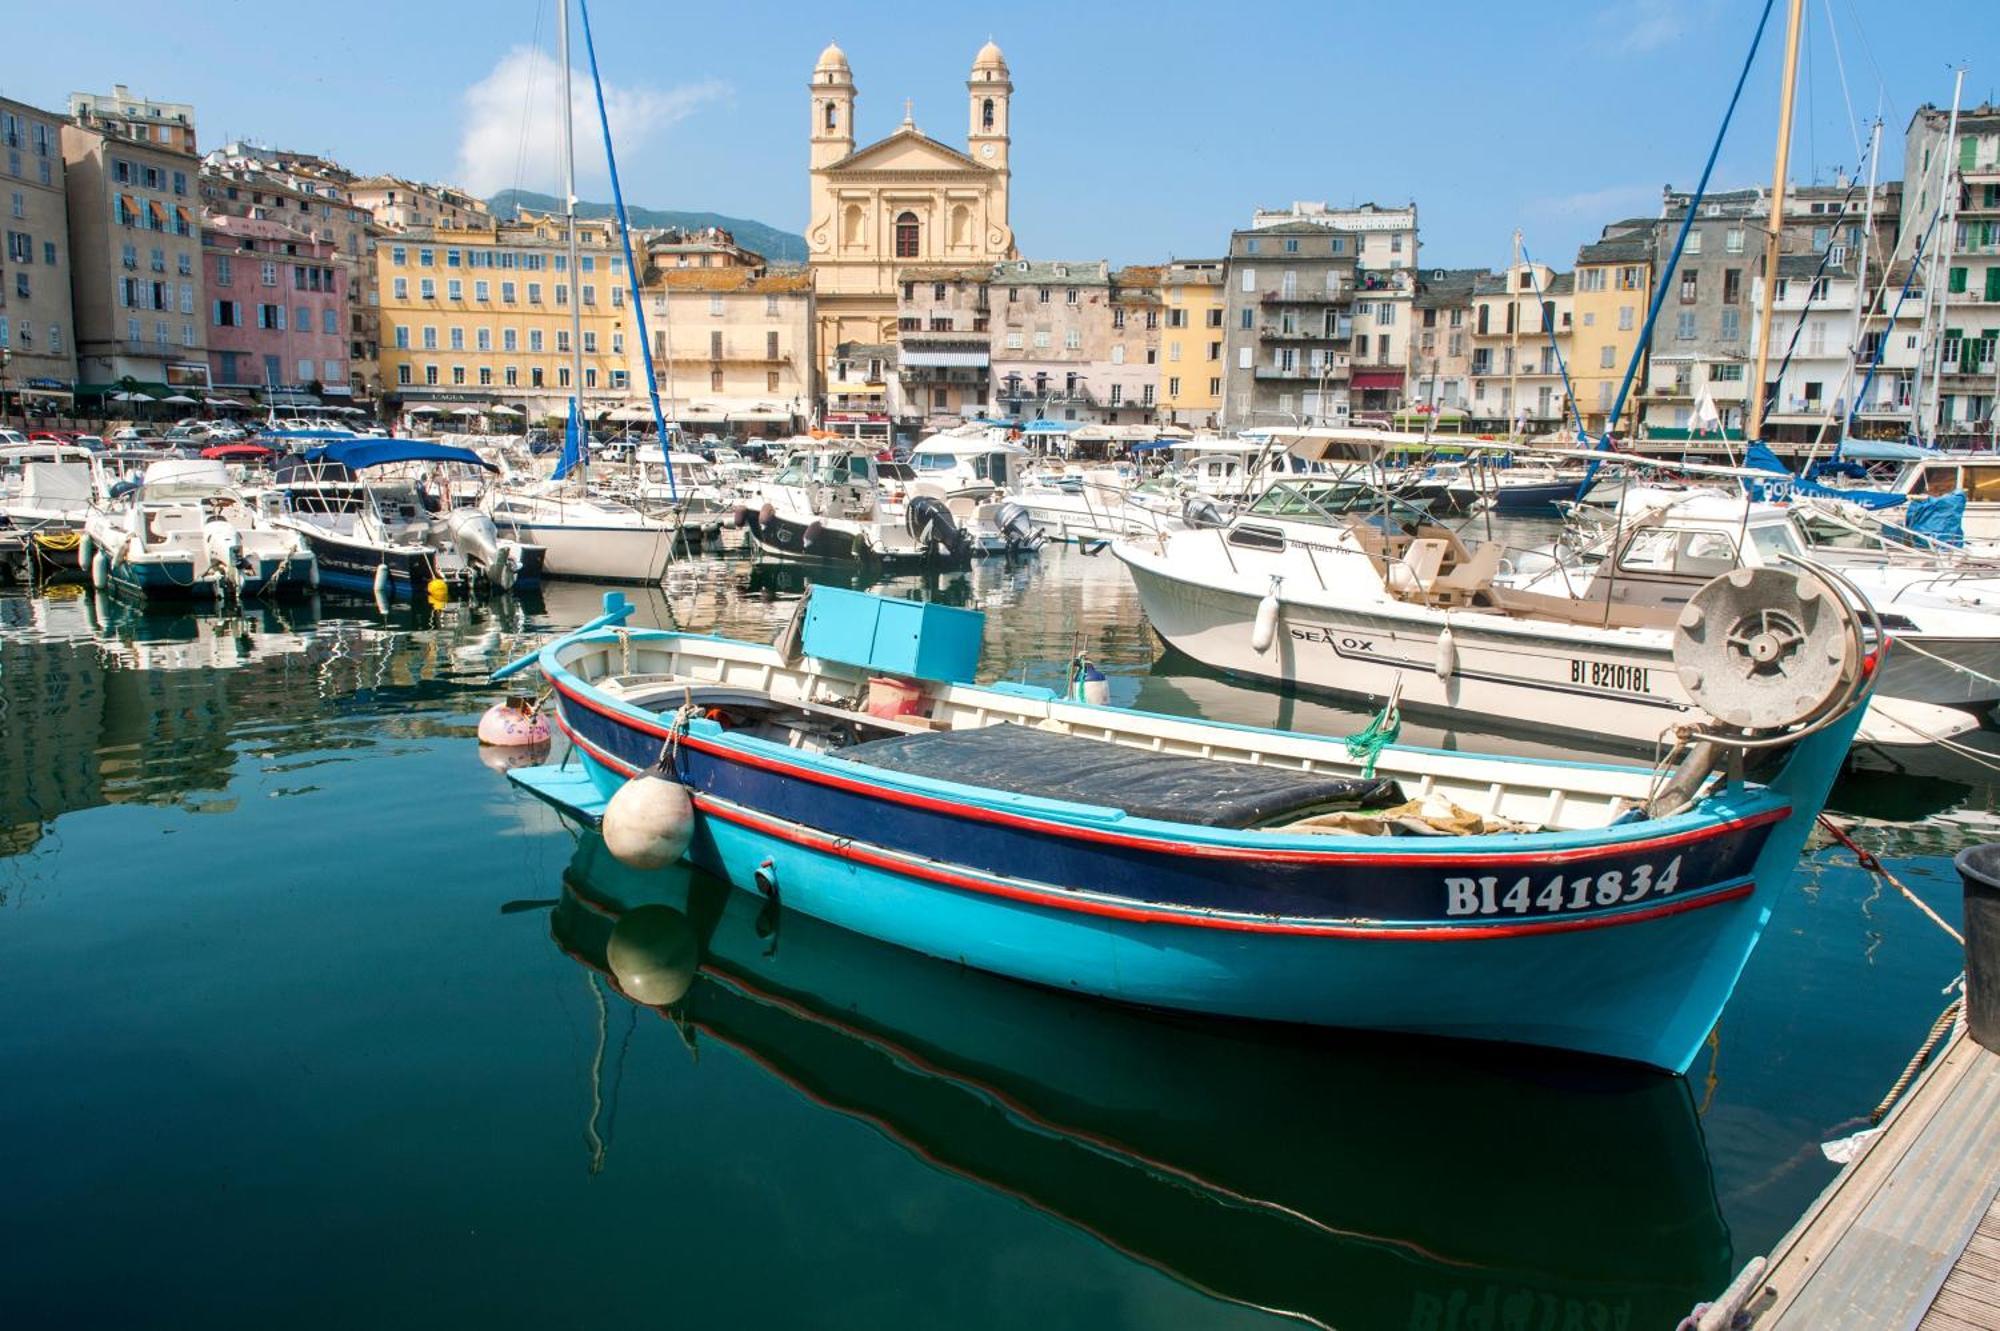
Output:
x=970 y=360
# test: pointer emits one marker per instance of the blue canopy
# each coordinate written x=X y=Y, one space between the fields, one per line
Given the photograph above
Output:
x=1884 y=450
x=1759 y=456
x=1046 y=427
x=1149 y=445
x=359 y=453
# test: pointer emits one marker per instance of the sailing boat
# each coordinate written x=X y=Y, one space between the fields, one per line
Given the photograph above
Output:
x=586 y=536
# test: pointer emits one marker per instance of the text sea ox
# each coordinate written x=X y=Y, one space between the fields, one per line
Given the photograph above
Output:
x=1559 y=894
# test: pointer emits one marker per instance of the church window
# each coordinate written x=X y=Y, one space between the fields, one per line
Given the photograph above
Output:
x=832 y=117
x=906 y=236
x=986 y=115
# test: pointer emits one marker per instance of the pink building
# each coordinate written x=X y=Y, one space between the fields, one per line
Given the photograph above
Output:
x=276 y=310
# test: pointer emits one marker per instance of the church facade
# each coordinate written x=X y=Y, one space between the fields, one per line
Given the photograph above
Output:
x=905 y=201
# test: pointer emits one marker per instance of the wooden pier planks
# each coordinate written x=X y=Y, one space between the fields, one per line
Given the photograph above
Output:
x=1909 y=1234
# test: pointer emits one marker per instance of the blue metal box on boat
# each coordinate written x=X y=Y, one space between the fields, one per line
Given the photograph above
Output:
x=918 y=639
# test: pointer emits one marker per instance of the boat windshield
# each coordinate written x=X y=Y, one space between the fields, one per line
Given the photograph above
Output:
x=1309 y=499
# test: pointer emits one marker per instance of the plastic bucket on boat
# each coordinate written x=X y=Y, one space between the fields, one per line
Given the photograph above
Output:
x=1979 y=870
x=891 y=698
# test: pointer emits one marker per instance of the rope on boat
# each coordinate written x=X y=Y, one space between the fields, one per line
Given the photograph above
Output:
x=1367 y=745
x=1946 y=1019
x=1867 y=860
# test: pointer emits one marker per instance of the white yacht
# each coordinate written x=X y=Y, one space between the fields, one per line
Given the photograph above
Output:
x=826 y=505
x=187 y=531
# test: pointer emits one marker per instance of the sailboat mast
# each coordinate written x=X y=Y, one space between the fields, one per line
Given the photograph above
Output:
x=1941 y=262
x=569 y=232
x=1861 y=301
x=1514 y=340
x=1753 y=425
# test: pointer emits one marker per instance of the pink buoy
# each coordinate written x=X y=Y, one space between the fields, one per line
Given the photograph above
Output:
x=513 y=724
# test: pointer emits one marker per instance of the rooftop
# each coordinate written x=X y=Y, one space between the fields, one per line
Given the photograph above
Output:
x=731 y=279
x=1074 y=273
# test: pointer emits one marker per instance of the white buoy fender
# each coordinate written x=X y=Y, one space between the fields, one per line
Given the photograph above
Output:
x=654 y=955
x=312 y=573
x=1265 y=630
x=100 y=569
x=648 y=822
x=1447 y=658
x=84 y=548
x=381 y=580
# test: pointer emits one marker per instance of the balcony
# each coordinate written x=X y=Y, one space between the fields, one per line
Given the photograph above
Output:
x=1308 y=336
x=1321 y=296
x=1334 y=370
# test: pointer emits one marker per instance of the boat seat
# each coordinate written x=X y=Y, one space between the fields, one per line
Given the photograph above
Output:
x=1412 y=575
x=1463 y=583
x=1177 y=788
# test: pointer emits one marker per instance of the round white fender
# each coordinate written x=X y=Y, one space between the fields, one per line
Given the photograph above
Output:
x=648 y=822
x=1447 y=657
x=1264 y=631
x=100 y=569
x=84 y=548
x=381 y=580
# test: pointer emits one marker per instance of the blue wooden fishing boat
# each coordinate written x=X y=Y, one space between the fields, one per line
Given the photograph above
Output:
x=1181 y=863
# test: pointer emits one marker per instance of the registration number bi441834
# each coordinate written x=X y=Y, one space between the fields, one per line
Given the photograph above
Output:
x=1559 y=894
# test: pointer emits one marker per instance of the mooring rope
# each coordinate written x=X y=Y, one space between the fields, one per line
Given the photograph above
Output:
x=1867 y=860
x=1944 y=1023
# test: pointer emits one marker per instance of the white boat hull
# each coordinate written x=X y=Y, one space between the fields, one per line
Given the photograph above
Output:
x=599 y=554
x=1618 y=686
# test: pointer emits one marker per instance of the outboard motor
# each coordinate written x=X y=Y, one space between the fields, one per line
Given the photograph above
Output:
x=475 y=537
x=930 y=521
x=224 y=544
x=1201 y=511
x=1018 y=528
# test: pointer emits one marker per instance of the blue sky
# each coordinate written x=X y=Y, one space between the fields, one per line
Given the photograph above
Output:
x=1140 y=132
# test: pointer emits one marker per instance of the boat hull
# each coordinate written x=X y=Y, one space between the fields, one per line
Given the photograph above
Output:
x=1417 y=937
x=168 y=579
x=597 y=554
x=1537 y=500
x=780 y=537
x=1622 y=690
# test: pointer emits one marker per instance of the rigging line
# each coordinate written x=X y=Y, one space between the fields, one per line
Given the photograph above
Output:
x=1771 y=396
x=1549 y=327
x=1840 y=65
x=1673 y=258
x=528 y=103
x=1812 y=102
x=631 y=268
x=1882 y=96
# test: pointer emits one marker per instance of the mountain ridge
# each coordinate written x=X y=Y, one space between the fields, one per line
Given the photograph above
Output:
x=777 y=245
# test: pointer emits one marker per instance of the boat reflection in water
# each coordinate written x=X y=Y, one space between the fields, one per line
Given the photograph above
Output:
x=1345 y=1181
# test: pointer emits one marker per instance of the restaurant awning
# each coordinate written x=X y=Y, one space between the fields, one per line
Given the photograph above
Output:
x=1377 y=379
x=763 y=417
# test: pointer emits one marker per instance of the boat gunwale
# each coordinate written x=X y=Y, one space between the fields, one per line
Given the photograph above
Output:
x=1739 y=809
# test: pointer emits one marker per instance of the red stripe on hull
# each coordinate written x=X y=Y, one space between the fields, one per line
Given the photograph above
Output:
x=933 y=872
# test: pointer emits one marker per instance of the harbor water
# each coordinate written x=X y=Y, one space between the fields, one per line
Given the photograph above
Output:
x=309 y=1020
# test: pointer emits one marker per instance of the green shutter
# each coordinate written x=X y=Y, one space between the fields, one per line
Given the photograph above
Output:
x=1993 y=284
x=1955 y=283
x=1968 y=152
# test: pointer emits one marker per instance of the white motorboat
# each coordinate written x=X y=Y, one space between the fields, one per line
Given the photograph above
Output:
x=1325 y=583
x=973 y=469
x=826 y=505
x=187 y=531
x=586 y=536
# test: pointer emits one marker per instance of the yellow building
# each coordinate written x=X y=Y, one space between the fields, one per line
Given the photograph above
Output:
x=1614 y=283
x=480 y=315
x=1190 y=391
x=904 y=200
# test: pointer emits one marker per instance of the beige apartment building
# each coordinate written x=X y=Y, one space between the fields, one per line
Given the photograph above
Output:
x=135 y=245
x=733 y=348
x=38 y=367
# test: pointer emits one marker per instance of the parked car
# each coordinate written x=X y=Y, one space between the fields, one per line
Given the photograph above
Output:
x=140 y=435
x=8 y=436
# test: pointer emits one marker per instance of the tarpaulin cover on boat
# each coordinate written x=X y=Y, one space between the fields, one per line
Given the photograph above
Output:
x=359 y=453
x=1026 y=761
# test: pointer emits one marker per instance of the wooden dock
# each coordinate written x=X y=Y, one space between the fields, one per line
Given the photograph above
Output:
x=1908 y=1236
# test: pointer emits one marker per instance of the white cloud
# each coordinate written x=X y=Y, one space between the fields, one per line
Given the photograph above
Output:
x=1639 y=27
x=513 y=122
x=1603 y=205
